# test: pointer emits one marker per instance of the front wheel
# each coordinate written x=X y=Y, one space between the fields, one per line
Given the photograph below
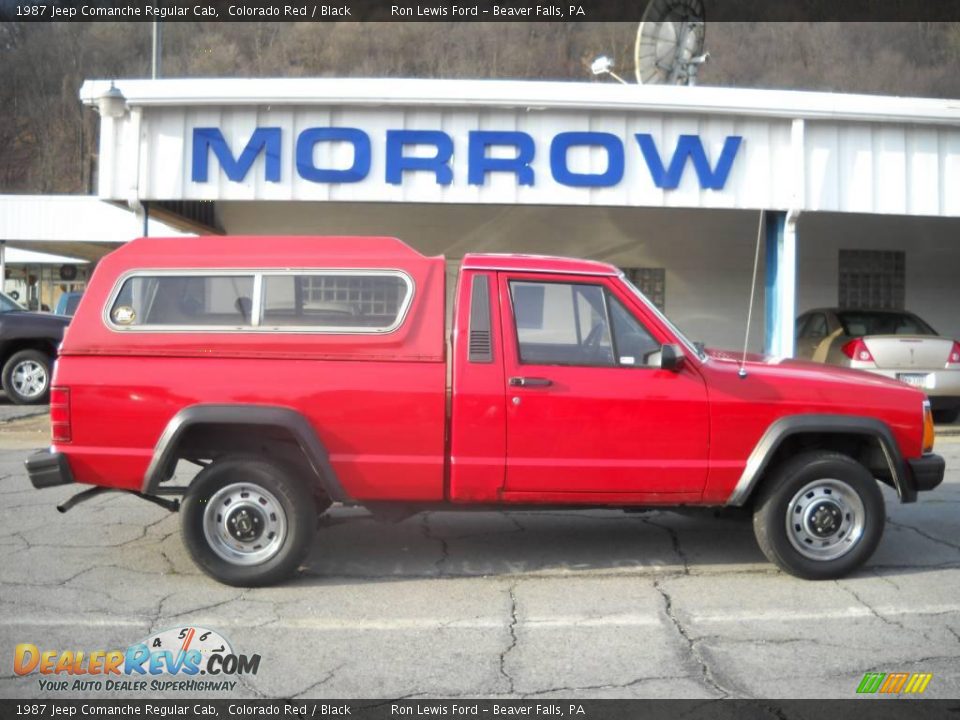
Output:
x=819 y=516
x=248 y=522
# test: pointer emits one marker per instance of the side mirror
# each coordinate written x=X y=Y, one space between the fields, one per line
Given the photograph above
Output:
x=671 y=357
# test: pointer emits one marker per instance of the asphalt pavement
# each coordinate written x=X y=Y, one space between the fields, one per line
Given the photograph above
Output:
x=595 y=604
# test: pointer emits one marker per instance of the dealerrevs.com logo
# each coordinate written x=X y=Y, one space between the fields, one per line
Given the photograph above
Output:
x=894 y=683
x=188 y=659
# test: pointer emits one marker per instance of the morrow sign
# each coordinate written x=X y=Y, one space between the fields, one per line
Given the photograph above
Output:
x=516 y=155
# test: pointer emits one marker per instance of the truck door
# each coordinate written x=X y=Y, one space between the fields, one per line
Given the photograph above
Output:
x=589 y=410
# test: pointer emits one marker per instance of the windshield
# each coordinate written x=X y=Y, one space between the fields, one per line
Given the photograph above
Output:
x=687 y=343
x=858 y=323
x=8 y=304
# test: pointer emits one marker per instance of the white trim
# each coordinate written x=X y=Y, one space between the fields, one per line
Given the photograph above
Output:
x=74 y=218
x=529 y=95
x=256 y=311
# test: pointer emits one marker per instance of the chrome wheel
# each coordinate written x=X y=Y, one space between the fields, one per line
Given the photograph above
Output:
x=825 y=520
x=244 y=524
x=29 y=379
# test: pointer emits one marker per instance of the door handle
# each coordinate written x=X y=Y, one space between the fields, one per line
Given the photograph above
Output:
x=529 y=382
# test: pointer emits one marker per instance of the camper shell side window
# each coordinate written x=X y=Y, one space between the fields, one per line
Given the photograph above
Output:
x=321 y=301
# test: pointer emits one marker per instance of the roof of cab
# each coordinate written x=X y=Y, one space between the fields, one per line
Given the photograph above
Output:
x=265 y=251
x=536 y=263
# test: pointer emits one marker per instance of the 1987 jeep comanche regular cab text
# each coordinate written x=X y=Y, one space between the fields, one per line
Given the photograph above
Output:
x=299 y=372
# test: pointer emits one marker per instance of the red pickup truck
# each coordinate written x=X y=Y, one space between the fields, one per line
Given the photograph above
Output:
x=298 y=372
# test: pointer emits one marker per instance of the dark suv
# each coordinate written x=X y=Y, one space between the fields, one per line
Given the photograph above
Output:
x=28 y=345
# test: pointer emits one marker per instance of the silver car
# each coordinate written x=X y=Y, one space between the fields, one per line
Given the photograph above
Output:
x=888 y=342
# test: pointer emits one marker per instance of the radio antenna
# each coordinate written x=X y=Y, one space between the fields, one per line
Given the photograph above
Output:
x=742 y=372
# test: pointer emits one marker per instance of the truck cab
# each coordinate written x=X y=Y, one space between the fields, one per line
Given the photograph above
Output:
x=298 y=373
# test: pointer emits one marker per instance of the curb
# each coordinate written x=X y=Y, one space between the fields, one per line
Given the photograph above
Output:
x=23 y=415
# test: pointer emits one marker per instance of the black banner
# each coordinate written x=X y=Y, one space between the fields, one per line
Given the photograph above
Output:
x=465 y=10
x=550 y=709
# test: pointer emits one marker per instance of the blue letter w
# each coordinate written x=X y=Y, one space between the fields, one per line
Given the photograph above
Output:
x=263 y=139
x=689 y=146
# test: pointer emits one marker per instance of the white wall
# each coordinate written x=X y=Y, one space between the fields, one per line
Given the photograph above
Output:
x=878 y=154
x=932 y=248
x=708 y=254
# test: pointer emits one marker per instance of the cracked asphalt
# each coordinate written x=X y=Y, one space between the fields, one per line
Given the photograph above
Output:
x=592 y=604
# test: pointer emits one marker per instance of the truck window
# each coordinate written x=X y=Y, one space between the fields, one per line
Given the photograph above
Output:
x=635 y=345
x=352 y=302
x=561 y=324
x=187 y=301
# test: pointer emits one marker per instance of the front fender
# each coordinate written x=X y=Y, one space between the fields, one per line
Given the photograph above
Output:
x=781 y=429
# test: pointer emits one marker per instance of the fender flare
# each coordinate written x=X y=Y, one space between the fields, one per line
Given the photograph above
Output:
x=240 y=414
x=781 y=429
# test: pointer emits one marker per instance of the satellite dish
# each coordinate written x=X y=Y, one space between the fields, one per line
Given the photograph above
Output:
x=669 y=47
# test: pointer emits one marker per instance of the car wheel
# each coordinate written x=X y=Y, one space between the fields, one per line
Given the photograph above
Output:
x=819 y=516
x=26 y=377
x=946 y=416
x=248 y=522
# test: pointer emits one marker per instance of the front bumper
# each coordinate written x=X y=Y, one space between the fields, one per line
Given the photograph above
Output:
x=926 y=472
x=48 y=469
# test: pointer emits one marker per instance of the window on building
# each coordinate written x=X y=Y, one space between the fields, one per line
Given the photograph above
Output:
x=184 y=301
x=872 y=279
x=652 y=282
x=528 y=305
x=362 y=301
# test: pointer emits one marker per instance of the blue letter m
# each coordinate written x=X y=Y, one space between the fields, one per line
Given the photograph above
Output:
x=689 y=146
x=263 y=139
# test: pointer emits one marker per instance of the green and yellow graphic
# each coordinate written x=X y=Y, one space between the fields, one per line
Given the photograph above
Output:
x=894 y=683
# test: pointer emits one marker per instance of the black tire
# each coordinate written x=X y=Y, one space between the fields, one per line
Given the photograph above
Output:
x=16 y=362
x=836 y=483
x=271 y=488
x=946 y=417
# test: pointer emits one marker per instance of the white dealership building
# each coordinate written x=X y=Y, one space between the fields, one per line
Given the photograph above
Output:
x=857 y=198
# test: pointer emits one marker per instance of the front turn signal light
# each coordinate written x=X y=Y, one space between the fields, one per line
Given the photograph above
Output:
x=929 y=434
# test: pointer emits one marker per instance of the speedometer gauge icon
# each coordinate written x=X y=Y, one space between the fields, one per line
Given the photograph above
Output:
x=181 y=640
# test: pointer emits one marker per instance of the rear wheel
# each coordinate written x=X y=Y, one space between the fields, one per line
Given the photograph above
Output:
x=819 y=516
x=248 y=522
x=26 y=377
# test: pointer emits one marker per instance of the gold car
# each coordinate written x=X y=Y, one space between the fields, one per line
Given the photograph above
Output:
x=894 y=343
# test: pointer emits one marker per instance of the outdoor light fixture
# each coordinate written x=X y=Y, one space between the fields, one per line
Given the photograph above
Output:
x=603 y=65
x=112 y=103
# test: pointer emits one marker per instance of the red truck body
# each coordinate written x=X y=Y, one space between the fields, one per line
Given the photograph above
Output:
x=377 y=401
x=424 y=414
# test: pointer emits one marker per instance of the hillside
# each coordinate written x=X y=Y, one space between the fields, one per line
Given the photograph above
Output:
x=48 y=140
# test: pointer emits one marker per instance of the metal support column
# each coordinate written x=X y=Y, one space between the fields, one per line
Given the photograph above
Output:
x=780 y=284
x=156 y=37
